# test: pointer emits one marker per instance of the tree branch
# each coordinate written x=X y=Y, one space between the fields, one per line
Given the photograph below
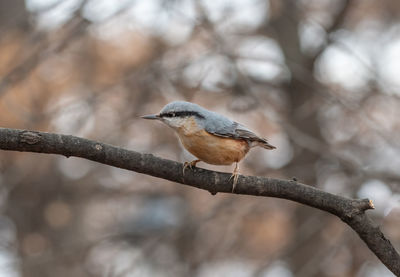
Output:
x=351 y=211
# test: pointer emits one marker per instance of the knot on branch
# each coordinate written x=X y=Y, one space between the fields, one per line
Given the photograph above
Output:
x=365 y=204
x=30 y=137
x=357 y=207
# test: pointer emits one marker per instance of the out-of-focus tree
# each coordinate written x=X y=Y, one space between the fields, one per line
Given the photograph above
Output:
x=318 y=78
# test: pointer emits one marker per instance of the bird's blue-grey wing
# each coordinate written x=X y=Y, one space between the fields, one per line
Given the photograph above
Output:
x=224 y=127
x=220 y=126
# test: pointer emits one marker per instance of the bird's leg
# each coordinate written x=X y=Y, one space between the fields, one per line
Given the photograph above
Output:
x=235 y=176
x=190 y=165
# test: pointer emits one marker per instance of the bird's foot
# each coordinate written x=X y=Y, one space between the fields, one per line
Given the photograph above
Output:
x=235 y=176
x=190 y=165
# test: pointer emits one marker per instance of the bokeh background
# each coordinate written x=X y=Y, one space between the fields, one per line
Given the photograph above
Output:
x=318 y=78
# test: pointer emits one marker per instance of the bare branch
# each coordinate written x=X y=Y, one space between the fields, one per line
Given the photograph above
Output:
x=351 y=211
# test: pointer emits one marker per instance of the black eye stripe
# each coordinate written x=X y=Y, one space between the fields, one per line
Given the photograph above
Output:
x=181 y=114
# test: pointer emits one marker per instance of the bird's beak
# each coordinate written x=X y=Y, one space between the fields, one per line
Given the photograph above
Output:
x=151 y=116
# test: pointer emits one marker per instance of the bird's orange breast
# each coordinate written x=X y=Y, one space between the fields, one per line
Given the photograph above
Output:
x=210 y=148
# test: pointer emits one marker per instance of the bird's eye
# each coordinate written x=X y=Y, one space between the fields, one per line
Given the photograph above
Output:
x=173 y=114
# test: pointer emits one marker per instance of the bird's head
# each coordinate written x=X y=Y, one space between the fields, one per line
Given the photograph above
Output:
x=176 y=114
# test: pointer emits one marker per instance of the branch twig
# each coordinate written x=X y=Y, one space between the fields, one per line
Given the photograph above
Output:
x=351 y=211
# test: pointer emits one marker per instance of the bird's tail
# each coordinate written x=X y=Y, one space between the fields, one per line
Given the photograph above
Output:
x=264 y=144
x=253 y=139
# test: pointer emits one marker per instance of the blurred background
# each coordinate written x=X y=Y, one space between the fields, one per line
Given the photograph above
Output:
x=318 y=78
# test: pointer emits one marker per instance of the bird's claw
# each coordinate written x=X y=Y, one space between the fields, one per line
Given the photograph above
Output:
x=190 y=165
x=185 y=165
x=235 y=176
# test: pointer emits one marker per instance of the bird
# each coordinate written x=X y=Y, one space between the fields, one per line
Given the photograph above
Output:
x=209 y=136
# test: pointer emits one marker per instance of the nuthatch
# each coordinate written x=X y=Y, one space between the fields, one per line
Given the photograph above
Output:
x=211 y=137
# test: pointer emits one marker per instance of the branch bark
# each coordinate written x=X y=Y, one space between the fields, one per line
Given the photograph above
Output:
x=351 y=211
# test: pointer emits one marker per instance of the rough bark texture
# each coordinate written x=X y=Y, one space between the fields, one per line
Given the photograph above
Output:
x=351 y=211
